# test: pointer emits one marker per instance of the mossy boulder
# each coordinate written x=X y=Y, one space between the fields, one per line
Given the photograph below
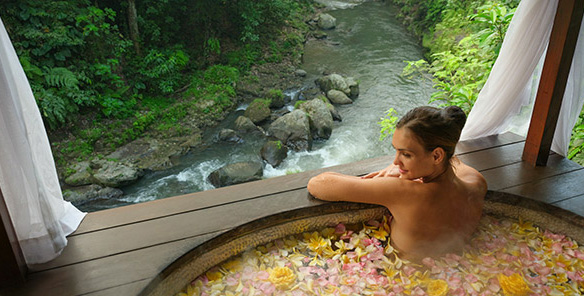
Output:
x=276 y=98
x=258 y=110
x=274 y=152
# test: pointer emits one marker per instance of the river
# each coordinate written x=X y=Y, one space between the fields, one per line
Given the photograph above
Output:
x=369 y=44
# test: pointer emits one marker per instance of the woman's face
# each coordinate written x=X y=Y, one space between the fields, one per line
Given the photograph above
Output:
x=413 y=160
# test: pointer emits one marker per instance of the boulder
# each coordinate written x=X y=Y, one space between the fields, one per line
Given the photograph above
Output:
x=114 y=173
x=320 y=34
x=321 y=120
x=327 y=21
x=300 y=73
x=334 y=112
x=338 y=97
x=293 y=129
x=84 y=194
x=81 y=175
x=235 y=173
x=244 y=124
x=258 y=110
x=333 y=81
x=279 y=113
x=276 y=99
x=229 y=135
x=353 y=87
x=154 y=155
x=274 y=152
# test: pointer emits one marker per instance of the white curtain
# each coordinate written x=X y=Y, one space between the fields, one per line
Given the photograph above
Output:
x=573 y=100
x=504 y=102
x=28 y=178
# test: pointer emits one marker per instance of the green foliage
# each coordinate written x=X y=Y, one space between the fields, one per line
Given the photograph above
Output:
x=161 y=70
x=265 y=102
x=219 y=74
x=459 y=69
x=275 y=94
x=494 y=18
x=298 y=104
x=576 y=149
x=59 y=44
x=388 y=123
x=213 y=46
x=244 y=57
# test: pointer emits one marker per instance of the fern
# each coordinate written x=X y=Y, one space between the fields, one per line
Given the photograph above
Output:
x=61 y=77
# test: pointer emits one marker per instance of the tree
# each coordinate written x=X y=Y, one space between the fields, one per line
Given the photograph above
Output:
x=133 y=26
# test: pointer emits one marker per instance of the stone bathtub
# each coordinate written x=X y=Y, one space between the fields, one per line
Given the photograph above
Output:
x=196 y=262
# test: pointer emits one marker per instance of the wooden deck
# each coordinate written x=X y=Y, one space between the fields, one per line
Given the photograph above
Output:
x=118 y=251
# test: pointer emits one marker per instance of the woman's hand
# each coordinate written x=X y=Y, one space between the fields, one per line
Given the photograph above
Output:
x=391 y=171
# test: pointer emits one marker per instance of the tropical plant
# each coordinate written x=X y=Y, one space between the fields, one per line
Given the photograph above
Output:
x=387 y=124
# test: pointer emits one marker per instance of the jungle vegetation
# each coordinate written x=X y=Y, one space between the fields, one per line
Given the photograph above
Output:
x=108 y=71
x=462 y=41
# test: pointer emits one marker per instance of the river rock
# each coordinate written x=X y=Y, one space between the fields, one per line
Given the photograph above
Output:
x=84 y=194
x=333 y=81
x=327 y=21
x=235 y=173
x=338 y=97
x=276 y=99
x=258 y=110
x=300 y=73
x=114 y=173
x=334 y=112
x=244 y=124
x=353 y=87
x=318 y=34
x=293 y=129
x=274 y=152
x=81 y=175
x=153 y=154
x=229 y=135
x=321 y=120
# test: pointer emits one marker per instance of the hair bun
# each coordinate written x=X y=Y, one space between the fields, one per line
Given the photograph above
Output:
x=455 y=115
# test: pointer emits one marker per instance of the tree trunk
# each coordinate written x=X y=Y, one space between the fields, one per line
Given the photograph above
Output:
x=133 y=25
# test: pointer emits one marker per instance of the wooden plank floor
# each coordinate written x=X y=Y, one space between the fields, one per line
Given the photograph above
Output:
x=118 y=251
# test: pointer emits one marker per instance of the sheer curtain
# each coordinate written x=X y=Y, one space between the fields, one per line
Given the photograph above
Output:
x=504 y=102
x=28 y=177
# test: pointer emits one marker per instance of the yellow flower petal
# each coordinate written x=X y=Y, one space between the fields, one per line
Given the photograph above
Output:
x=437 y=288
x=513 y=285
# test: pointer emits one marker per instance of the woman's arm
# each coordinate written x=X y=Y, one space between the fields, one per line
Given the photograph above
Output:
x=390 y=171
x=383 y=191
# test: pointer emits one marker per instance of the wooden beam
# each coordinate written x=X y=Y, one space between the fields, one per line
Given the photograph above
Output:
x=13 y=267
x=553 y=80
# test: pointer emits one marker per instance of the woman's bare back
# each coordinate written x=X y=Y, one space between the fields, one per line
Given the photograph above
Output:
x=438 y=222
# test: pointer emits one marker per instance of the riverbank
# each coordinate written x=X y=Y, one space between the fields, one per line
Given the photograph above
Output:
x=99 y=174
x=368 y=44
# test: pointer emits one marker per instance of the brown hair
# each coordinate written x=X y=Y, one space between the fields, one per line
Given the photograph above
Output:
x=435 y=127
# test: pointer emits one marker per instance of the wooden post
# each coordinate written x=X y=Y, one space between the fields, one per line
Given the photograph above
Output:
x=553 y=80
x=12 y=266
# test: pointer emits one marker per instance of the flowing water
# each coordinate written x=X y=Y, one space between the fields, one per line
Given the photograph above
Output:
x=369 y=44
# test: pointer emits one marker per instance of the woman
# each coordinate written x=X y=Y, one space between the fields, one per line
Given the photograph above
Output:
x=435 y=199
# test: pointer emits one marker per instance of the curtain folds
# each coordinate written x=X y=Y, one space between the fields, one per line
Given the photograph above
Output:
x=506 y=101
x=28 y=177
